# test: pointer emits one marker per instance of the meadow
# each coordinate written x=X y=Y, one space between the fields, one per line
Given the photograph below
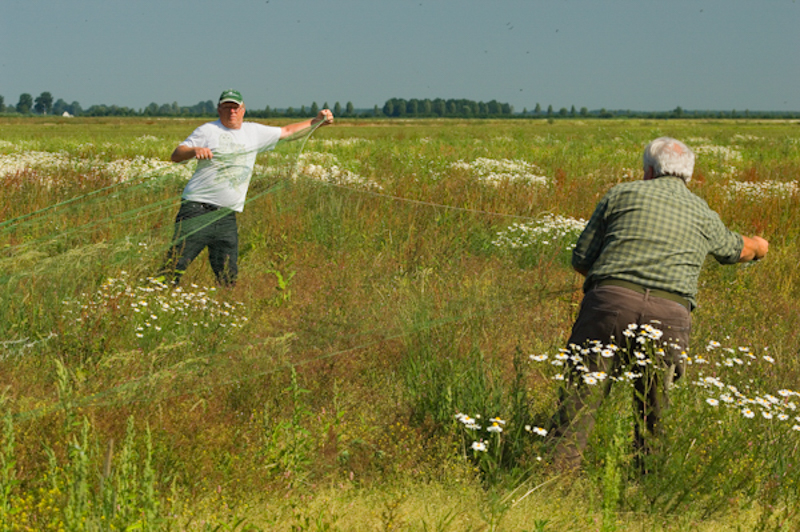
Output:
x=390 y=356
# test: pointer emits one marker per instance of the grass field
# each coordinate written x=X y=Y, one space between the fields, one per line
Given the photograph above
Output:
x=395 y=276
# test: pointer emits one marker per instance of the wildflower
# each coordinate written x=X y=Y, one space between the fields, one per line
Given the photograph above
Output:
x=712 y=401
x=713 y=344
x=537 y=430
x=538 y=358
x=767 y=415
x=769 y=359
x=495 y=427
x=478 y=446
x=588 y=379
x=726 y=398
x=746 y=412
x=607 y=353
x=772 y=399
x=796 y=427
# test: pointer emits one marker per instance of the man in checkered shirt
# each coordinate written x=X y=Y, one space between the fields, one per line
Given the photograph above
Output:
x=641 y=253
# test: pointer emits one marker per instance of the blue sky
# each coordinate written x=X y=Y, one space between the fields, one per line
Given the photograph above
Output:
x=613 y=54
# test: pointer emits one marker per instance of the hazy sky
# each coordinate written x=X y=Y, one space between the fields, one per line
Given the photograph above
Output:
x=614 y=54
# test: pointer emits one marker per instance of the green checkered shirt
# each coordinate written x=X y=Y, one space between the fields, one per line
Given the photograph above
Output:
x=654 y=233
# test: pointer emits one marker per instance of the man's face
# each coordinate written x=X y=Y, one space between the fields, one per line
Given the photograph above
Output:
x=231 y=114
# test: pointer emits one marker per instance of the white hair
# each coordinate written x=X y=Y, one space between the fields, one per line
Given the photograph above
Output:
x=668 y=156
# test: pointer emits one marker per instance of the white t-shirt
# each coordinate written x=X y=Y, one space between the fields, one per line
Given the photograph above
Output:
x=223 y=180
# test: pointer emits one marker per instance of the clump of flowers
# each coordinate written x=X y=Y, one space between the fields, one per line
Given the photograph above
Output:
x=726 y=388
x=487 y=441
x=549 y=229
x=325 y=167
x=120 y=170
x=152 y=310
x=497 y=171
x=723 y=153
x=762 y=189
x=337 y=143
x=642 y=345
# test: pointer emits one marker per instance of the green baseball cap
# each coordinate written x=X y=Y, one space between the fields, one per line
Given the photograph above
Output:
x=231 y=95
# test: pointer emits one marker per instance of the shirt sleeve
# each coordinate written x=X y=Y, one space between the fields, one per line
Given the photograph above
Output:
x=198 y=139
x=590 y=241
x=725 y=245
x=268 y=137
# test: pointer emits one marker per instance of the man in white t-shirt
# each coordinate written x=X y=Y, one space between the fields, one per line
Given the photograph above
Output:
x=226 y=151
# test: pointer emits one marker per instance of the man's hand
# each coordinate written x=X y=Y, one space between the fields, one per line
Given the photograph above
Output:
x=323 y=118
x=184 y=153
x=755 y=248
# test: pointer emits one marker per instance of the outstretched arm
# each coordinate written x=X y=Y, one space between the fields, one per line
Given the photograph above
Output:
x=324 y=118
x=755 y=248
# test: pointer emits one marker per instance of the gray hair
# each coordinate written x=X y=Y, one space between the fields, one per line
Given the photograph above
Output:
x=668 y=156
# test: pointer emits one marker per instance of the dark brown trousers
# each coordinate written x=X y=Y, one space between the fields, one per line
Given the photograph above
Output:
x=605 y=314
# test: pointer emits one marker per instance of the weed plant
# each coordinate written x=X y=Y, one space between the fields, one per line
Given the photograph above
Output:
x=395 y=278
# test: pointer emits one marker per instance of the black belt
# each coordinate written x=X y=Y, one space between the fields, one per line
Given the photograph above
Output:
x=205 y=206
x=663 y=294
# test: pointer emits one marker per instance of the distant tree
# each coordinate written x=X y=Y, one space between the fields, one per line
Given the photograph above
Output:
x=678 y=112
x=400 y=107
x=25 y=103
x=314 y=109
x=584 y=111
x=337 y=109
x=427 y=107
x=537 y=110
x=572 y=111
x=75 y=109
x=349 y=109
x=439 y=107
x=375 y=110
x=325 y=105
x=44 y=103
x=2 y=103
x=549 y=111
x=60 y=107
x=388 y=108
x=412 y=108
x=563 y=112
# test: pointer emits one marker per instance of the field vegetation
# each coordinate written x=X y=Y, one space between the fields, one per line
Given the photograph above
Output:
x=389 y=358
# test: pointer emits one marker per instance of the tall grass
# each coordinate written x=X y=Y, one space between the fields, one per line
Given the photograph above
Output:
x=395 y=277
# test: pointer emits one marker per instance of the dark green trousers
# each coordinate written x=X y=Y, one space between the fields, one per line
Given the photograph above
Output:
x=199 y=226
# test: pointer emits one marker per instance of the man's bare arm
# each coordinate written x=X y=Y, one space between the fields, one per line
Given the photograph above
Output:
x=184 y=153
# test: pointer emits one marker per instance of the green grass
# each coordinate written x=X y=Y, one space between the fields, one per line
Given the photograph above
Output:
x=374 y=305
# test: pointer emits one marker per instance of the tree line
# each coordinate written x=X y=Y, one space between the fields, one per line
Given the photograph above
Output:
x=44 y=104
